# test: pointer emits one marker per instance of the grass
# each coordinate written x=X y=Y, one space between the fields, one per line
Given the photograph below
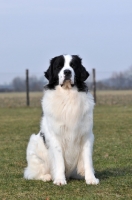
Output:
x=112 y=157
x=115 y=97
x=18 y=99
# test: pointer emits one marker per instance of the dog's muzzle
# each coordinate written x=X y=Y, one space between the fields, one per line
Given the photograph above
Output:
x=67 y=74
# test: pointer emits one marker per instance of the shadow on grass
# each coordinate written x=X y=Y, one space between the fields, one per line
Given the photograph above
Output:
x=114 y=172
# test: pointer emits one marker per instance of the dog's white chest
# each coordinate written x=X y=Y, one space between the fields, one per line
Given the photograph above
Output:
x=65 y=107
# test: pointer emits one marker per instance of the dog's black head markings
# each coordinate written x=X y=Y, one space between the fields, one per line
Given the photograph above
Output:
x=67 y=69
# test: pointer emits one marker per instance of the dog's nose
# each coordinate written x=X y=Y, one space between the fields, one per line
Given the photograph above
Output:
x=67 y=72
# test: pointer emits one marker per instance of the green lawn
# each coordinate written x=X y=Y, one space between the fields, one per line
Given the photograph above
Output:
x=112 y=156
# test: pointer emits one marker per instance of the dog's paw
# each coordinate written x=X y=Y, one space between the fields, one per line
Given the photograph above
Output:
x=60 y=182
x=92 y=181
x=46 y=177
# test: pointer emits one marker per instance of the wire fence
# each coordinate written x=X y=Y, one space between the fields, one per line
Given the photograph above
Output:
x=18 y=99
x=13 y=92
x=7 y=78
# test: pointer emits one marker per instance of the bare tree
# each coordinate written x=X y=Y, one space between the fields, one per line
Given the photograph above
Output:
x=18 y=84
x=35 y=84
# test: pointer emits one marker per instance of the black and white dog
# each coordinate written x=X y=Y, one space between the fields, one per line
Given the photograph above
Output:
x=63 y=147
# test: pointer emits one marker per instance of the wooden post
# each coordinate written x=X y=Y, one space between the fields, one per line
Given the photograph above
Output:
x=27 y=87
x=94 y=86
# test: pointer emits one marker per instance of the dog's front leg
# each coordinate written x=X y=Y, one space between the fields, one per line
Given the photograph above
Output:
x=57 y=166
x=57 y=162
x=88 y=163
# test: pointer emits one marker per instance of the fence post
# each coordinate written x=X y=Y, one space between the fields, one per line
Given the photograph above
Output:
x=27 y=87
x=94 y=86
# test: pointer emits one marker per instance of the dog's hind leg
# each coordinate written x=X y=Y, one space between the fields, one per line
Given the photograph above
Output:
x=37 y=159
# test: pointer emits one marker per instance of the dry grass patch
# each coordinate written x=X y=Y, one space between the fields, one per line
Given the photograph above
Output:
x=115 y=97
x=103 y=98
x=18 y=99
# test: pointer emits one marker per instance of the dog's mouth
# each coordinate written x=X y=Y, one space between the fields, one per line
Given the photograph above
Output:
x=67 y=84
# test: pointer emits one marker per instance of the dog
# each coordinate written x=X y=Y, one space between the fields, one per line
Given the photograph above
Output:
x=63 y=147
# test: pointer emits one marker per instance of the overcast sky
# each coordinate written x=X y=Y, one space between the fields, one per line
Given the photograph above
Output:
x=34 y=31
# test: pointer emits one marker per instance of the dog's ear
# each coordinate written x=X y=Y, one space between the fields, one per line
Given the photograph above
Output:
x=46 y=74
x=49 y=73
x=84 y=74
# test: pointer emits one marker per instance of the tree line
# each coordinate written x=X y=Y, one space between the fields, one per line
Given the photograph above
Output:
x=118 y=81
x=18 y=84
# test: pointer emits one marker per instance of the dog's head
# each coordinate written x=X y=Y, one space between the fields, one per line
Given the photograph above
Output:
x=66 y=69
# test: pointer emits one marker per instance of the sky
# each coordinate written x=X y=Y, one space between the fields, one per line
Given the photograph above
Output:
x=34 y=31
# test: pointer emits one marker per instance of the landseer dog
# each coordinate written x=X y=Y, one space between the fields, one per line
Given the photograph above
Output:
x=63 y=147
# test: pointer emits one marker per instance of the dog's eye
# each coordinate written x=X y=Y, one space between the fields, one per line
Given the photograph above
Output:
x=59 y=66
x=72 y=65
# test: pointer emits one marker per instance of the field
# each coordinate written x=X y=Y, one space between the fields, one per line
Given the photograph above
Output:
x=121 y=98
x=112 y=150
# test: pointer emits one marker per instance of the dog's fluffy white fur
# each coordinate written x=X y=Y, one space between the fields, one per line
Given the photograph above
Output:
x=67 y=126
